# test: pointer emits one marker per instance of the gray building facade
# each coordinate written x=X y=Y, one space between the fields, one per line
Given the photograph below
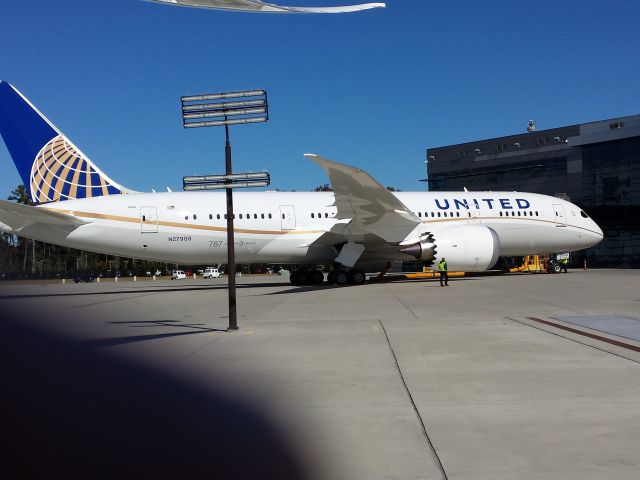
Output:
x=594 y=165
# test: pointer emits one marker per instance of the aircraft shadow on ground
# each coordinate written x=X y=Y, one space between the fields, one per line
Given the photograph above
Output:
x=137 y=291
x=169 y=289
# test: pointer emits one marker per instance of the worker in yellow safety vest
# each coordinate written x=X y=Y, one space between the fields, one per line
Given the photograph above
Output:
x=444 y=275
x=563 y=265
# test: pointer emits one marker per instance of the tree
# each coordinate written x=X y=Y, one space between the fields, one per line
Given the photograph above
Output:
x=21 y=195
x=323 y=188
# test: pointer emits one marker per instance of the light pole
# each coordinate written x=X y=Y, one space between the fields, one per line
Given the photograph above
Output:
x=213 y=110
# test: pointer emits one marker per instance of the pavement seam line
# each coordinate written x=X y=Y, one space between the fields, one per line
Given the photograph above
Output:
x=571 y=339
x=414 y=406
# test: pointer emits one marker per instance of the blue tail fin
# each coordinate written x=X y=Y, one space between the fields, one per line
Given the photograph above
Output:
x=51 y=167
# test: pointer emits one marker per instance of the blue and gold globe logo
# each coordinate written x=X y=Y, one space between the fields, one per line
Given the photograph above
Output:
x=61 y=172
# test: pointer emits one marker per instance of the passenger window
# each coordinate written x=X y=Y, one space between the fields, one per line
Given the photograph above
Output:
x=255 y=216
x=210 y=216
x=225 y=216
x=240 y=216
x=186 y=217
x=312 y=215
x=326 y=215
x=144 y=218
x=283 y=216
x=438 y=214
x=458 y=214
x=194 y=216
x=269 y=215
x=536 y=213
x=218 y=216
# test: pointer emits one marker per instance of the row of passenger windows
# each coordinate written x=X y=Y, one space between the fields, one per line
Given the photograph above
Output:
x=262 y=216
x=512 y=213
x=239 y=216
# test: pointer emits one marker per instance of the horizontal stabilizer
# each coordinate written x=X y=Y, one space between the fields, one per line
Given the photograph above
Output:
x=17 y=217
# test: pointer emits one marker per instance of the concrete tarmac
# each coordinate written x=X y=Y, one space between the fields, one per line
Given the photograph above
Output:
x=399 y=380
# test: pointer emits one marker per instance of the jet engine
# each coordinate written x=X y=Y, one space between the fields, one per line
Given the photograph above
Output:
x=466 y=248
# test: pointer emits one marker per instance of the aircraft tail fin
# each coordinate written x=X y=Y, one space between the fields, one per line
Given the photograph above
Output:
x=50 y=165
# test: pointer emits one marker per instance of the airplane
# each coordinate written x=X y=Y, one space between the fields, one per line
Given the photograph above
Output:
x=259 y=6
x=360 y=227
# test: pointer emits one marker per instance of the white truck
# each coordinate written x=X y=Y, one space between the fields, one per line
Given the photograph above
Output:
x=211 y=272
x=178 y=275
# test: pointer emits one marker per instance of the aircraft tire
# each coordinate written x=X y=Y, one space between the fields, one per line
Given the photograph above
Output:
x=341 y=278
x=357 y=277
x=331 y=278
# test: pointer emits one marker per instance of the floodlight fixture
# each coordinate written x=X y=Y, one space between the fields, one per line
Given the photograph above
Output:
x=212 y=110
x=217 y=182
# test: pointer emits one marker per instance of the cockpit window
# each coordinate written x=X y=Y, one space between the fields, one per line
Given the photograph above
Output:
x=584 y=215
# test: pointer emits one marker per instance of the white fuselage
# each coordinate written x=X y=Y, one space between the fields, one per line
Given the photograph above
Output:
x=280 y=227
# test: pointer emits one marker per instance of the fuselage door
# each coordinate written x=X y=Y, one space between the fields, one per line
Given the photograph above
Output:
x=148 y=219
x=287 y=217
x=561 y=219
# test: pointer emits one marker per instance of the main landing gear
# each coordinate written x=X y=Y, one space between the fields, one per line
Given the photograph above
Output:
x=335 y=277
x=343 y=277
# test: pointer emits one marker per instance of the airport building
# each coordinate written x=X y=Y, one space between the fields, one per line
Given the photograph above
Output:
x=594 y=165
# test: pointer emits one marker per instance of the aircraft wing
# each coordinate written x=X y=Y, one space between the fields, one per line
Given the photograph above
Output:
x=260 y=6
x=371 y=207
x=14 y=217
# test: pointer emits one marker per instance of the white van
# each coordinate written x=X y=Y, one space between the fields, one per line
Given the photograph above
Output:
x=211 y=272
x=178 y=275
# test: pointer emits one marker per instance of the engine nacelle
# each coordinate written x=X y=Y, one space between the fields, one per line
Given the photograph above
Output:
x=466 y=248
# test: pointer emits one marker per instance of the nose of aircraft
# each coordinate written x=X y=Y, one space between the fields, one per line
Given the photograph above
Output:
x=591 y=236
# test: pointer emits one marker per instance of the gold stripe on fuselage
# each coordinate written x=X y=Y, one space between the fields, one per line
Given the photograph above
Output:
x=119 y=218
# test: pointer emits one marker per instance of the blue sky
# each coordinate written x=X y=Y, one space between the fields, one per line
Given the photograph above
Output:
x=372 y=89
